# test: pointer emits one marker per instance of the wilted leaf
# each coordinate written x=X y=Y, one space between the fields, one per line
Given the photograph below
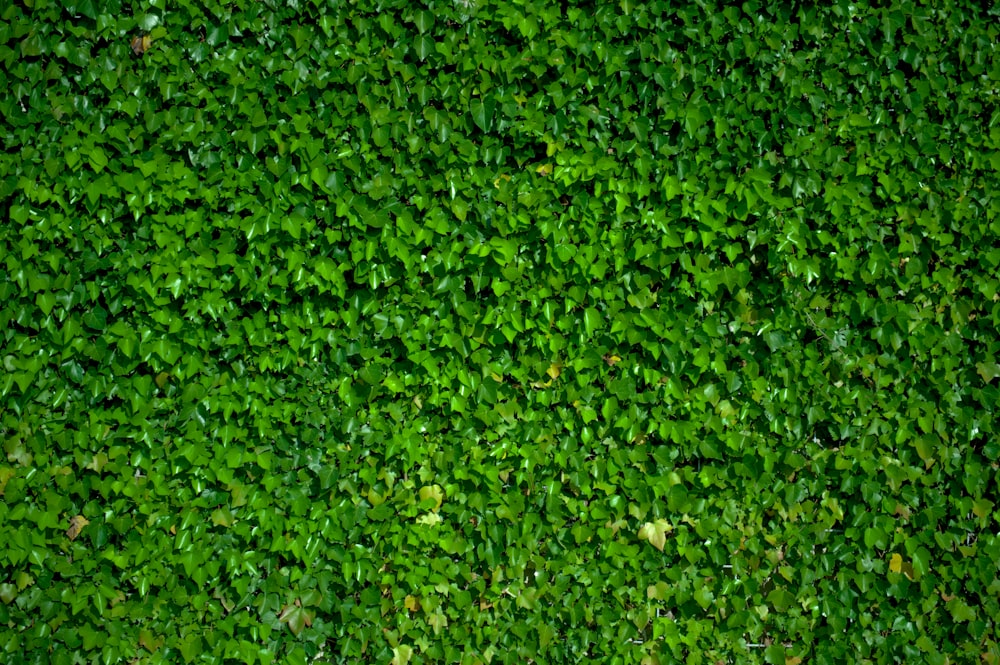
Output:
x=141 y=44
x=76 y=524
x=895 y=563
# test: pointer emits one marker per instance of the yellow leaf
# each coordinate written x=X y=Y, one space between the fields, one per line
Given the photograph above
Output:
x=411 y=603
x=656 y=533
x=895 y=563
x=612 y=359
x=430 y=519
x=401 y=654
x=432 y=492
x=544 y=170
x=793 y=660
x=76 y=524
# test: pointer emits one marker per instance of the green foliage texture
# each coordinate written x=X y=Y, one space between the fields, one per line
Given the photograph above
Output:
x=473 y=332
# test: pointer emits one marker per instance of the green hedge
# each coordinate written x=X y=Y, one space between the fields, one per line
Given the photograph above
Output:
x=499 y=332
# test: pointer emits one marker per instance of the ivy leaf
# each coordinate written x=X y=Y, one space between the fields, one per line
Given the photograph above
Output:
x=223 y=516
x=76 y=524
x=296 y=616
x=482 y=112
x=960 y=610
x=655 y=533
x=554 y=370
x=922 y=561
x=982 y=508
x=424 y=46
x=433 y=495
x=927 y=446
x=429 y=519
x=98 y=160
x=141 y=43
x=895 y=563
x=988 y=371
x=401 y=654
x=437 y=621
x=591 y=320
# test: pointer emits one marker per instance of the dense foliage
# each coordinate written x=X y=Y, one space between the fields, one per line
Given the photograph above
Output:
x=499 y=332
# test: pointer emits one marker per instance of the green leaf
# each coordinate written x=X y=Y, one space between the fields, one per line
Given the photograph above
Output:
x=781 y=600
x=960 y=610
x=982 y=508
x=423 y=46
x=98 y=160
x=922 y=561
x=424 y=20
x=927 y=446
x=704 y=597
x=592 y=320
x=482 y=112
x=876 y=538
x=297 y=617
x=988 y=370
x=46 y=301
x=149 y=21
x=775 y=654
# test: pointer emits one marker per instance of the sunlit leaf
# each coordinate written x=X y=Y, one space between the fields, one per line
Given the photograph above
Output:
x=655 y=533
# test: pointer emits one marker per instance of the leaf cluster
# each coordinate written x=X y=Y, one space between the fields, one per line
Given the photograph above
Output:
x=499 y=332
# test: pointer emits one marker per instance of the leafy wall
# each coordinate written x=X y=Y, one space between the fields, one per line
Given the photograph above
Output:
x=499 y=332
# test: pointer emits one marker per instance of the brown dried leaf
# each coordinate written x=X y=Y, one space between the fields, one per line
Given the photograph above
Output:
x=140 y=44
x=76 y=524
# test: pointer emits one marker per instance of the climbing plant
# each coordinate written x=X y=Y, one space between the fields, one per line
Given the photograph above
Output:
x=474 y=332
